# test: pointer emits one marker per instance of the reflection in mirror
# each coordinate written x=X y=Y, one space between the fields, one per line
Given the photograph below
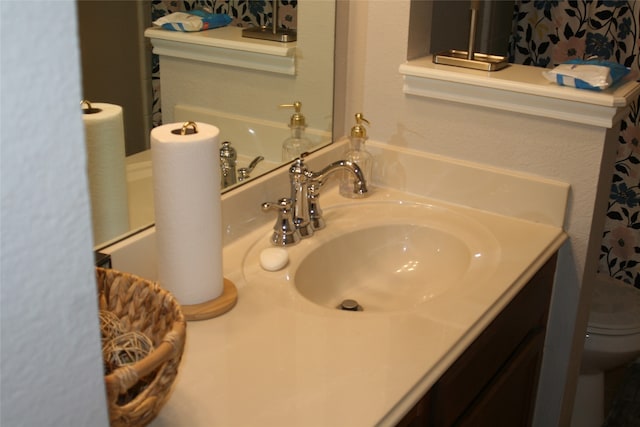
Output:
x=243 y=102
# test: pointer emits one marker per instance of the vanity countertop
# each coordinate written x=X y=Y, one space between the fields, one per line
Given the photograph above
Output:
x=277 y=359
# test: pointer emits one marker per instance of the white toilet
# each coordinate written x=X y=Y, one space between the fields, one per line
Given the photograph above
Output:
x=612 y=341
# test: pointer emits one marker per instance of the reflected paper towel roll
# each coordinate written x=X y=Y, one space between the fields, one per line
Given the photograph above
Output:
x=186 y=188
x=104 y=137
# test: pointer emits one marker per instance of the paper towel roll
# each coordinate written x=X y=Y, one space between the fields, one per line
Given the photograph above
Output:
x=186 y=188
x=104 y=137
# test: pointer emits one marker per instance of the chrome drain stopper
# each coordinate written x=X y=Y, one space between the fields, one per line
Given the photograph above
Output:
x=350 y=305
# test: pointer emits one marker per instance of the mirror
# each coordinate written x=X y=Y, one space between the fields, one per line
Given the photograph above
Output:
x=118 y=57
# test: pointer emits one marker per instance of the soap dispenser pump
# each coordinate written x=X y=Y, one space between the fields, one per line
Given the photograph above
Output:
x=358 y=154
x=298 y=142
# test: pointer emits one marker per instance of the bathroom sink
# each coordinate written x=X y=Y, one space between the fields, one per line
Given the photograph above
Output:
x=386 y=256
x=384 y=267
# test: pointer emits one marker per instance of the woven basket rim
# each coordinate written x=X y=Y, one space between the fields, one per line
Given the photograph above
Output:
x=167 y=353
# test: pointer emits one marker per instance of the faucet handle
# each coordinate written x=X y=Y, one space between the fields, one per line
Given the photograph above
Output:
x=243 y=173
x=285 y=231
x=315 y=212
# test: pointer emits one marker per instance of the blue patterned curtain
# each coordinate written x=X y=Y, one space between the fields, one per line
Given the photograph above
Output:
x=548 y=32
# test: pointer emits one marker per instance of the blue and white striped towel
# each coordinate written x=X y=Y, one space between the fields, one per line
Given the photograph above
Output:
x=195 y=20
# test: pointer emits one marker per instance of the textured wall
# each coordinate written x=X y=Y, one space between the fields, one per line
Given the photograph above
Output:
x=50 y=354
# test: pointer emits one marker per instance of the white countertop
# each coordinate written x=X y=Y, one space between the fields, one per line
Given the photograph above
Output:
x=277 y=359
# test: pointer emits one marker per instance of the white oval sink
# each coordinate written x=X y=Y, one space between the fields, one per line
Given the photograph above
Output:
x=388 y=256
x=384 y=267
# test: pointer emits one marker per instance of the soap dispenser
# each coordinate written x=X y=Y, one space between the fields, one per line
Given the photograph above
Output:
x=298 y=142
x=358 y=154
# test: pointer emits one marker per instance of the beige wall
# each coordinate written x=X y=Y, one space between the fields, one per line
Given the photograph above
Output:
x=564 y=151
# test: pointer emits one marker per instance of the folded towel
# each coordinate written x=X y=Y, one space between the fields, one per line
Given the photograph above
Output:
x=587 y=74
x=195 y=20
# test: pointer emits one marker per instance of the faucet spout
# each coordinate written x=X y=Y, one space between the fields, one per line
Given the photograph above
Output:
x=299 y=178
x=359 y=183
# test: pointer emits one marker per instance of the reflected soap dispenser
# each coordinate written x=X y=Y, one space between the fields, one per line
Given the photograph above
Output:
x=298 y=142
x=357 y=153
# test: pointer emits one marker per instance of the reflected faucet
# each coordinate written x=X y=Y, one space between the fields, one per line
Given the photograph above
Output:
x=228 y=158
x=304 y=203
x=228 y=163
x=243 y=173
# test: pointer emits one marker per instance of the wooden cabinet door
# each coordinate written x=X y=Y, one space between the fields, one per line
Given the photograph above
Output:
x=494 y=382
x=509 y=399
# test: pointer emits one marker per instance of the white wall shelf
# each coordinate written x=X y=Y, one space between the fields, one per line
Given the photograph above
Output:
x=225 y=46
x=518 y=88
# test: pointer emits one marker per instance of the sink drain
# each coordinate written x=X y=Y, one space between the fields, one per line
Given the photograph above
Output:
x=350 y=305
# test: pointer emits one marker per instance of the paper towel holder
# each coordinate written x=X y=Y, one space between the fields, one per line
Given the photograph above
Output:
x=188 y=128
x=89 y=109
x=215 y=307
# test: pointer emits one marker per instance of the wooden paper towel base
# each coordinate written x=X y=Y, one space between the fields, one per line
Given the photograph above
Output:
x=215 y=307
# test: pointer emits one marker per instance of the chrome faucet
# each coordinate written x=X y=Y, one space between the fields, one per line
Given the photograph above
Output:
x=228 y=158
x=228 y=163
x=243 y=173
x=299 y=177
x=284 y=231
x=318 y=179
x=303 y=212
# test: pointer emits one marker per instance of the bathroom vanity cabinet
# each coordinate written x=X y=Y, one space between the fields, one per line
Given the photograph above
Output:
x=494 y=381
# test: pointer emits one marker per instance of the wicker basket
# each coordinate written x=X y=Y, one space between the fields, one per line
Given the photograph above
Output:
x=142 y=306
